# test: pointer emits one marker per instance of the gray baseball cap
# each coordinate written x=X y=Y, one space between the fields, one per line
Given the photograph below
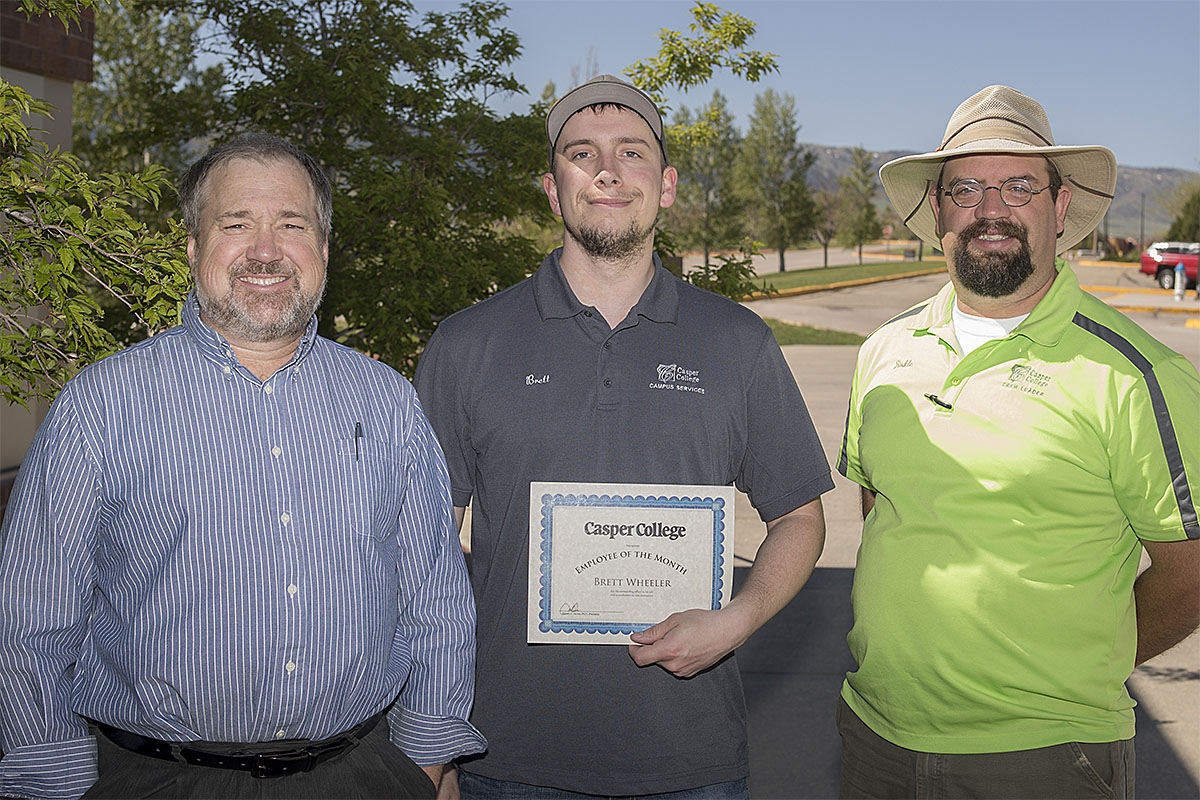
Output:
x=604 y=89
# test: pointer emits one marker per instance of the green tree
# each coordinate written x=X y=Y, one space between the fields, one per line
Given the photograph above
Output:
x=825 y=219
x=1186 y=225
x=707 y=213
x=67 y=240
x=147 y=99
x=773 y=168
x=859 y=219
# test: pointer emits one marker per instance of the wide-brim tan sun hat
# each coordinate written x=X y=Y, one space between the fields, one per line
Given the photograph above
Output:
x=1000 y=119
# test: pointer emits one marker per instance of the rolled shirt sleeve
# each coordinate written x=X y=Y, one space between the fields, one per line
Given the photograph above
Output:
x=437 y=620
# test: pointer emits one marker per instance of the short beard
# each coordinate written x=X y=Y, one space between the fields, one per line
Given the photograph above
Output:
x=607 y=245
x=992 y=274
x=260 y=319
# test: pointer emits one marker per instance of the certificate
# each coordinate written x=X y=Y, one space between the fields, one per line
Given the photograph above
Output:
x=609 y=559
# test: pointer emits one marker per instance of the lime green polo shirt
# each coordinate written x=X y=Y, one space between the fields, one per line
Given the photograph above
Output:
x=993 y=594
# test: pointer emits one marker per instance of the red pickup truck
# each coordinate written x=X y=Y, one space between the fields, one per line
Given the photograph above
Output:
x=1160 y=259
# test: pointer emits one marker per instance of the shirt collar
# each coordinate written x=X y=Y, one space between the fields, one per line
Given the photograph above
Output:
x=216 y=347
x=555 y=300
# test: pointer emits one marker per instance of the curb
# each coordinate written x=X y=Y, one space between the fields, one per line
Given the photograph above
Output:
x=824 y=287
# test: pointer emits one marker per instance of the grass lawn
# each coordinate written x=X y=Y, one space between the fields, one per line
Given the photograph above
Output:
x=787 y=333
x=823 y=275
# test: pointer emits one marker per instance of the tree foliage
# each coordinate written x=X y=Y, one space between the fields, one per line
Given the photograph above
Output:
x=707 y=213
x=67 y=242
x=773 y=170
x=733 y=276
x=147 y=98
x=1186 y=225
x=859 y=219
x=718 y=42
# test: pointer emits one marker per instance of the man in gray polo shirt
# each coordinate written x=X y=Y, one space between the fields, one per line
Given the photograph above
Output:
x=560 y=378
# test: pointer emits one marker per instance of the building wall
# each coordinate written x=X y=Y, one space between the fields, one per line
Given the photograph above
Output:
x=46 y=60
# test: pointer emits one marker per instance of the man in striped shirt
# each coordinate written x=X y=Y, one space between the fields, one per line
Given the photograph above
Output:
x=230 y=565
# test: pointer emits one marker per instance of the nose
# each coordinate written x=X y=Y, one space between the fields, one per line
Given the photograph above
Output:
x=264 y=246
x=607 y=173
x=992 y=206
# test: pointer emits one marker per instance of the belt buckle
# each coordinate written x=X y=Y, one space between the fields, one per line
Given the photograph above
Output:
x=271 y=766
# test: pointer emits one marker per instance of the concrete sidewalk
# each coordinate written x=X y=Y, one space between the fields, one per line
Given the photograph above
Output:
x=793 y=667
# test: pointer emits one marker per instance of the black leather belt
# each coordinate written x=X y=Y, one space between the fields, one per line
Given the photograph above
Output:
x=302 y=758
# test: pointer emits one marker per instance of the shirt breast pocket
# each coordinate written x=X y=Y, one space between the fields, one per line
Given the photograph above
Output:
x=371 y=488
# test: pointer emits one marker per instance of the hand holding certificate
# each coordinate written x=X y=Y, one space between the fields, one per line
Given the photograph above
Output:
x=606 y=560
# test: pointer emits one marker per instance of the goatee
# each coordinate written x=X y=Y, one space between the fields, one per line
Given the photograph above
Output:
x=991 y=274
x=610 y=245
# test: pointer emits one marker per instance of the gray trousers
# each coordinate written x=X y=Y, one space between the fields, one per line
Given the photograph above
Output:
x=873 y=767
x=376 y=768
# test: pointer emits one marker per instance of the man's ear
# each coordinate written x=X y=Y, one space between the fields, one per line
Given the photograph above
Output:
x=670 y=178
x=1060 y=206
x=550 y=187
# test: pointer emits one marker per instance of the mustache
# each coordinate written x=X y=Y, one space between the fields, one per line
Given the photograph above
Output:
x=252 y=267
x=1003 y=227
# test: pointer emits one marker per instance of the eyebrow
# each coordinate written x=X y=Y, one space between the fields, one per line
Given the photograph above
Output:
x=620 y=140
x=287 y=213
x=1027 y=176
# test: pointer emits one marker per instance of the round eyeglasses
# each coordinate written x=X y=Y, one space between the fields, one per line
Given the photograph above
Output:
x=968 y=192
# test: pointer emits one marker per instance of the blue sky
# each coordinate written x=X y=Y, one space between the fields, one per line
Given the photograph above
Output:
x=887 y=74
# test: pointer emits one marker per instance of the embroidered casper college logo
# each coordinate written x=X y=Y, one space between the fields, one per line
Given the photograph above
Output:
x=1025 y=378
x=673 y=377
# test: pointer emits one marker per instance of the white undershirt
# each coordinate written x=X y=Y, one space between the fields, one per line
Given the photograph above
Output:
x=972 y=331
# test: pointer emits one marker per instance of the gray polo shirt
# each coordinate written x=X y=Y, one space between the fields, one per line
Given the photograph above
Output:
x=531 y=385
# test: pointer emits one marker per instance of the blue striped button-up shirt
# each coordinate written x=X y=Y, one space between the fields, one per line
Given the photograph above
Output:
x=192 y=553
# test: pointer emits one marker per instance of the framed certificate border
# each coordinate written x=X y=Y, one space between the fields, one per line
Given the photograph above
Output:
x=711 y=557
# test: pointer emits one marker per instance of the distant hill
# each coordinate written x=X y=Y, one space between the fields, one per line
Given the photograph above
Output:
x=1124 y=215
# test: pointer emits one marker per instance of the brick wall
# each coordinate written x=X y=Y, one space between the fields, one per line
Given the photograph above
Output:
x=42 y=46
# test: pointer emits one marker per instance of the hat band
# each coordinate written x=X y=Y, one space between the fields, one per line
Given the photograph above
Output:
x=1009 y=120
x=1087 y=189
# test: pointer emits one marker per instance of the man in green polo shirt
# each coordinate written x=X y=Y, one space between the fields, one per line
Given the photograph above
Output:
x=1019 y=444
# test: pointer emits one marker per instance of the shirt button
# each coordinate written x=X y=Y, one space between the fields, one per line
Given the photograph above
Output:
x=290 y=666
x=608 y=345
x=226 y=369
x=292 y=589
x=269 y=389
x=587 y=312
x=608 y=381
x=277 y=451
x=285 y=518
x=279 y=734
